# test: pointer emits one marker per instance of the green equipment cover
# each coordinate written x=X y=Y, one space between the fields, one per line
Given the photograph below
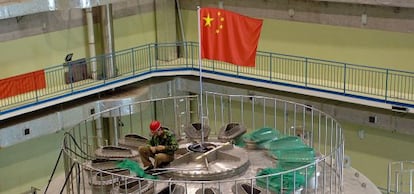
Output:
x=134 y=167
x=239 y=141
x=306 y=172
x=285 y=183
x=286 y=143
x=305 y=154
x=263 y=135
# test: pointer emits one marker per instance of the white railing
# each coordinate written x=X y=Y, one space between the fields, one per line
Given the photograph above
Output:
x=400 y=177
x=320 y=132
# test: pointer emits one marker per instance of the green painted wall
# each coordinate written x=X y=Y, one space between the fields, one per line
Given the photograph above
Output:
x=20 y=168
x=372 y=154
x=351 y=45
x=29 y=163
x=41 y=51
x=49 y=49
x=134 y=31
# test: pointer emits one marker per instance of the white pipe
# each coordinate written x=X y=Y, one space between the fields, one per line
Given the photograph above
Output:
x=115 y=142
x=221 y=4
x=99 y=131
x=177 y=2
x=201 y=75
x=91 y=41
x=108 y=40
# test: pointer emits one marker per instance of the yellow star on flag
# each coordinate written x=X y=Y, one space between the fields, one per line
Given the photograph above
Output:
x=208 y=20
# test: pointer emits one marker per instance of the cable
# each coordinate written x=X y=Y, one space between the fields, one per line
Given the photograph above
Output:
x=67 y=177
x=54 y=170
x=76 y=145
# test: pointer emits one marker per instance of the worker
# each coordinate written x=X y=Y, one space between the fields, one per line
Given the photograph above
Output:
x=161 y=147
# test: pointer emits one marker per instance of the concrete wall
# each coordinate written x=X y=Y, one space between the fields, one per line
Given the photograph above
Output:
x=396 y=18
x=380 y=143
x=326 y=30
x=43 y=40
x=361 y=46
x=327 y=36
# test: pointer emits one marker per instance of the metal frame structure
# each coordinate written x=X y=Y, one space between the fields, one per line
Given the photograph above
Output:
x=320 y=132
x=386 y=87
x=400 y=177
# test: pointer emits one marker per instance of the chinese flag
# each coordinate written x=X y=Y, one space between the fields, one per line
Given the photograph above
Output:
x=228 y=36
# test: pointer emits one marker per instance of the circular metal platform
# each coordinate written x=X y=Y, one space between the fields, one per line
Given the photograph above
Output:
x=223 y=160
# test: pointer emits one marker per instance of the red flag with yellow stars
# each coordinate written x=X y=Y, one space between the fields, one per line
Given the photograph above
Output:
x=228 y=36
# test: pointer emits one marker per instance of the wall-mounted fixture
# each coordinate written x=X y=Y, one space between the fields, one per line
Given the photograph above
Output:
x=399 y=109
x=364 y=19
x=68 y=57
x=308 y=107
x=92 y=111
x=396 y=9
x=221 y=4
x=291 y=12
x=361 y=134
x=26 y=131
x=372 y=119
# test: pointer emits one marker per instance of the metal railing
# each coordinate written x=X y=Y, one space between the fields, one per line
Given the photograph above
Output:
x=323 y=134
x=400 y=177
x=364 y=82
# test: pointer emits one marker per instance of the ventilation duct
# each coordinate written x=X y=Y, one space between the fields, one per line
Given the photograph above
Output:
x=22 y=8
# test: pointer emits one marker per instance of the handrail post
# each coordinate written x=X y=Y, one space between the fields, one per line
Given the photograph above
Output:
x=389 y=178
x=386 y=84
x=411 y=181
x=344 y=78
x=270 y=67
x=190 y=45
x=149 y=57
x=185 y=44
x=35 y=87
x=192 y=54
x=156 y=48
x=133 y=60
x=104 y=69
x=306 y=72
x=70 y=77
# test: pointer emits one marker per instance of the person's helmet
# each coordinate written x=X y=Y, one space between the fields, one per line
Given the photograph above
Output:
x=154 y=125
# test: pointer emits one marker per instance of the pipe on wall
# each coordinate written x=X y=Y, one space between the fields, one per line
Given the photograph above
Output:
x=108 y=40
x=91 y=41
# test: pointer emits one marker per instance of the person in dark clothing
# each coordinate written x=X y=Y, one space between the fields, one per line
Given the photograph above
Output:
x=161 y=146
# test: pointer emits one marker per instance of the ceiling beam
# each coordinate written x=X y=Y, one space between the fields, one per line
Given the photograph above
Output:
x=389 y=3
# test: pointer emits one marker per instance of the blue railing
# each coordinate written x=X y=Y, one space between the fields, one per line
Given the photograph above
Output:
x=369 y=83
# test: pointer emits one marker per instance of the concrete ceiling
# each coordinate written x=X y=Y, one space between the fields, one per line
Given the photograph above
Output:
x=16 y=8
x=390 y=3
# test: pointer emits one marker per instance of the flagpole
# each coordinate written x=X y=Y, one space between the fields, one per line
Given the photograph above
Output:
x=200 y=74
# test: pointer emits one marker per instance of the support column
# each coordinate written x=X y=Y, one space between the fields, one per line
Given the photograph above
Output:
x=108 y=41
x=91 y=41
x=165 y=16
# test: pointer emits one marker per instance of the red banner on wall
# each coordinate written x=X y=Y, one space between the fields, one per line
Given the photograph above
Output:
x=20 y=84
